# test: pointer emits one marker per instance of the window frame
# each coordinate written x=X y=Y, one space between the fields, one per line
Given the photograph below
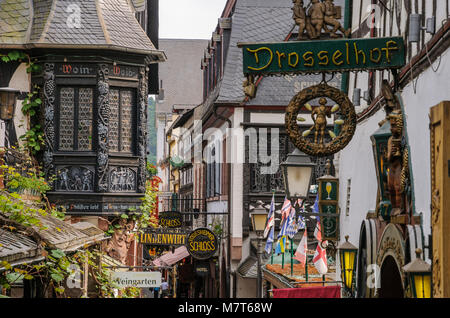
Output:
x=76 y=118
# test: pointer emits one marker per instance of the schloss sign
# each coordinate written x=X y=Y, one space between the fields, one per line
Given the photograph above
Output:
x=323 y=56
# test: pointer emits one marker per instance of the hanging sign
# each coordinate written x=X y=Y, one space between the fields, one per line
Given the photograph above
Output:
x=171 y=219
x=137 y=279
x=323 y=56
x=328 y=204
x=202 y=243
x=163 y=238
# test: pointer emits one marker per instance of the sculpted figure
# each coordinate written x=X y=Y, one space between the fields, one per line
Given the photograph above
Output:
x=331 y=20
x=317 y=14
x=302 y=20
x=319 y=116
x=394 y=157
x=249 y=87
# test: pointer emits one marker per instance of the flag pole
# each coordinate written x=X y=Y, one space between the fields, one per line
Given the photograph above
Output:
x=273 y=251
x=306 y=264
x=292 y=257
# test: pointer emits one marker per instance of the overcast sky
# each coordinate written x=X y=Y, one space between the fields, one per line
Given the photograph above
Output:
x=189 y=19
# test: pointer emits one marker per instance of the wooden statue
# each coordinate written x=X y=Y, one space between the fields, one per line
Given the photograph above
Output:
x=331 y=20
x=302 y=20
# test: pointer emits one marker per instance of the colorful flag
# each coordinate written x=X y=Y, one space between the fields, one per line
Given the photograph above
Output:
x=269 y=242
x=292 y=225
x=301 y=223
x=300 y=253
x=285 y=209
x=270 y=217
x=320 y=259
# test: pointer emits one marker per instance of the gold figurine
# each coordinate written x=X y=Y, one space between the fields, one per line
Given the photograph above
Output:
x=319 y=116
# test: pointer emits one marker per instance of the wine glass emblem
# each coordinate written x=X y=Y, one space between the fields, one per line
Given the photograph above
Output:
x=328 y=188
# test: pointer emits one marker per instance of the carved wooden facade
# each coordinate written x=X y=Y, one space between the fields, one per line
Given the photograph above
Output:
x=440 y=202
x=95 y=132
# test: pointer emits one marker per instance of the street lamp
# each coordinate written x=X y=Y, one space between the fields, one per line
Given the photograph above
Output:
x=7 y=103
x=419 y=273
x=297 y=172
x=347 y=254
x=259 y=219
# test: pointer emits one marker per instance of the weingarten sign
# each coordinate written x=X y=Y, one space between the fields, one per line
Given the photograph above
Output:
x=323 y=56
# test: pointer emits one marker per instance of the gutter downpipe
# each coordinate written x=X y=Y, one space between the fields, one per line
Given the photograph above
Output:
x=229 y=197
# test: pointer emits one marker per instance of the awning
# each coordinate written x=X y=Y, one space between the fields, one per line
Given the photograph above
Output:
x=170 y=258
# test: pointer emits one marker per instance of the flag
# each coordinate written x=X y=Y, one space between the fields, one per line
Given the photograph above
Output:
x=292 y=228
x=301 y=223
x=280 y=247
x=320 y=259
x=286 y=208
x=269 y=242
x=300 y=253
x=270 y=217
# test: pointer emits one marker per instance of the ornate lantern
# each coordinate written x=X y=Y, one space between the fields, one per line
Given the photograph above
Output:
x=7 y=103
x=347 y=255
x=259 y=219
x=419 y=273
x=297 y=172
x=328 y=204
x=380 y=146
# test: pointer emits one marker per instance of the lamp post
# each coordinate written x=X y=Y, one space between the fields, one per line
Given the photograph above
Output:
x=259 y=219
x=347 y=256
x=297 y=172
x=7 y=103
x=419 y=273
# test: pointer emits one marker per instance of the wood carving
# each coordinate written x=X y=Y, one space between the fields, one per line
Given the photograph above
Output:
x=119 y=244
x=317 y=18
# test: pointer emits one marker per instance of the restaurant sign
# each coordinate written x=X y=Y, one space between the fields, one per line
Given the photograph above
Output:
x=323 y=56
x=137 y=279
x=170 y=219
x=202 y=243
x=163 y=237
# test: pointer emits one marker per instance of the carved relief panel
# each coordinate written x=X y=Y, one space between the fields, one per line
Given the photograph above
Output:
x=74 y=178
x=122 y=179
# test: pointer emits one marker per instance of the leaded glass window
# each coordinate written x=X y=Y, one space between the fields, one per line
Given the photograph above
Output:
x=75 y=118
x=121 y=120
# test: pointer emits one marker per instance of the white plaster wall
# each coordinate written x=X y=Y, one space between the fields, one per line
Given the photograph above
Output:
x=356 y=163
x=20 y=81
x=432 y=88
x=356 y=160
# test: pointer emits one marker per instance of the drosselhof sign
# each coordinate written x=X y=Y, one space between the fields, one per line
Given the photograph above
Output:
x=323 y=56
x=202 y=243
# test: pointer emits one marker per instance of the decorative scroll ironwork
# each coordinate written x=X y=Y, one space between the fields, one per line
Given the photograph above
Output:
x=49 y=110
x=122 y=179
x=142 y=128
x=75 y=179
x=319 y=147
x=103 y=124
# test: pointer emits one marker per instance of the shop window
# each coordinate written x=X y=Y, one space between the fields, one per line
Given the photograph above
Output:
x=76 y=118
x=121 y=103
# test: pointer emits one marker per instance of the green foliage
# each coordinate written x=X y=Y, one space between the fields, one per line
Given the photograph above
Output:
x=147 y=216
x=34 y=138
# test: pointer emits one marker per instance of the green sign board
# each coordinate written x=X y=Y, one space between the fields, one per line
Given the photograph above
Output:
x=323 y=56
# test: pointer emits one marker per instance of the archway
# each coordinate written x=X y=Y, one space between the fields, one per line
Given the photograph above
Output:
x=391 y=281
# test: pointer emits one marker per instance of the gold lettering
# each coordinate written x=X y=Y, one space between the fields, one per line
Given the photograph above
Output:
x=257 y=58
x=309 y=56
x=280 y=55
x=379 y=55
x=297 y=58
x=347 y=48
x=388 y=48
x=337 y=55
x=323 y=57
x=357 y=52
